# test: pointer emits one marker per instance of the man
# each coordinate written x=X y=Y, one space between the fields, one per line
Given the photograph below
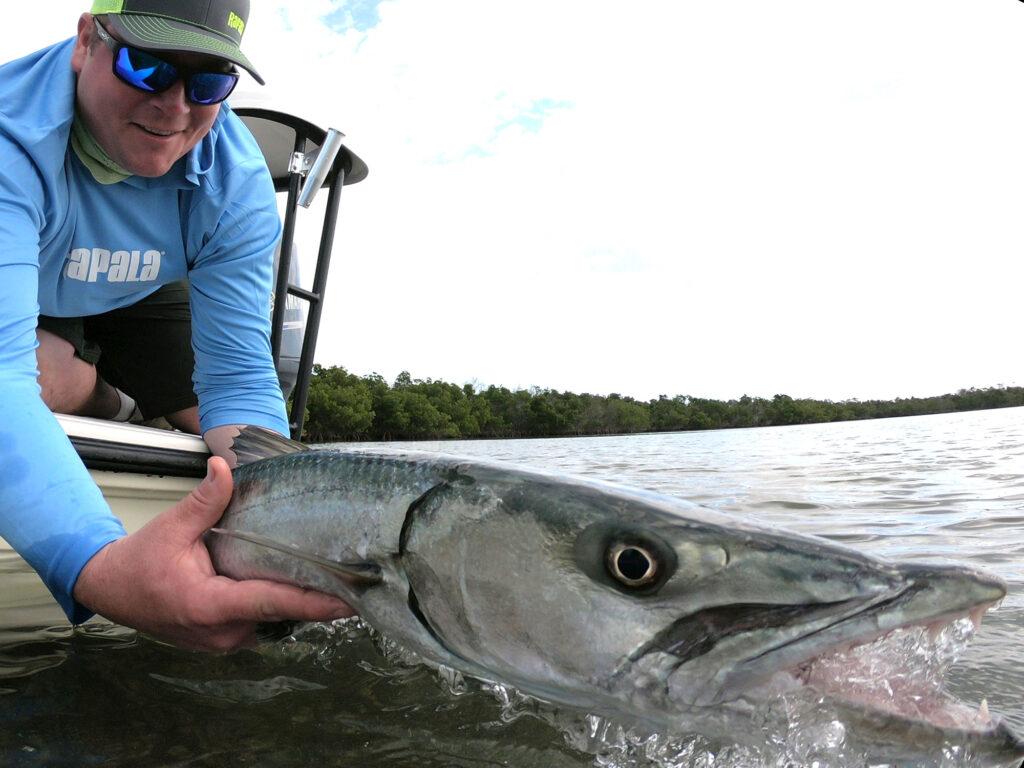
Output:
x=122 y=174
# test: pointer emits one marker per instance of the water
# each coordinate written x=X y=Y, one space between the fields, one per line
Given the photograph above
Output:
x=936 y=488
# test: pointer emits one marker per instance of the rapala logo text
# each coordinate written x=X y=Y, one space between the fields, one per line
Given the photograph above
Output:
x=236 y=22
x=114 y=267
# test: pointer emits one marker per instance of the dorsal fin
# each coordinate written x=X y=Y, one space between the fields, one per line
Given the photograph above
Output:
x=255 y=443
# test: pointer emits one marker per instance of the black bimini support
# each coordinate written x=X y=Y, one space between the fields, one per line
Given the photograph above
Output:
x=271 y=128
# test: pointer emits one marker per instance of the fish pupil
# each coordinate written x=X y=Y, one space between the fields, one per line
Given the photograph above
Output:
x=633 y=564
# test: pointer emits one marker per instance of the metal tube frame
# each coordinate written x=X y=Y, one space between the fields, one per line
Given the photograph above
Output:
x=304 y=133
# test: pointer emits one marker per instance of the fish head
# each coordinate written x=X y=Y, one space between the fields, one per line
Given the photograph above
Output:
x=666 y=613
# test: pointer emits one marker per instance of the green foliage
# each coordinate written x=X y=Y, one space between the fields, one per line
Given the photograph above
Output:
x=339 y=406
x=342 y=406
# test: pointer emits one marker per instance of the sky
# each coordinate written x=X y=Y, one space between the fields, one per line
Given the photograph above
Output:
x=666 y=197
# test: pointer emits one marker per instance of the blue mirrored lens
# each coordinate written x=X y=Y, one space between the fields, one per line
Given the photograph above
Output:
x=210 y=87
x=143 y=71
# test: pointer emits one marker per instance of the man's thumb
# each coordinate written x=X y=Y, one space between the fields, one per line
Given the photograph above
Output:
x=204 y=506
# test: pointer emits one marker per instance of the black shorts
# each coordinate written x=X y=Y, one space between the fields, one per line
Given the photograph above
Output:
x=145 y=350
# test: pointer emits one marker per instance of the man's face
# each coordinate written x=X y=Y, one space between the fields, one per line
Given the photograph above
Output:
x=144 y=133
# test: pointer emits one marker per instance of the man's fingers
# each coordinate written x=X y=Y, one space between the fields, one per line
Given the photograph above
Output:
x=242 y=606
x=258 y=600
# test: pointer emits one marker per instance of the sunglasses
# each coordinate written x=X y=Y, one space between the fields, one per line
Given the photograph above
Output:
x=152 y=74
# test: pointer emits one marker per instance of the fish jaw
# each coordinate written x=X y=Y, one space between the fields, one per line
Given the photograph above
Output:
x=924 y=596
x=818 y=664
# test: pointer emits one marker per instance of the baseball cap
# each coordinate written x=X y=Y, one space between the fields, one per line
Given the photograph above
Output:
x=208 y=27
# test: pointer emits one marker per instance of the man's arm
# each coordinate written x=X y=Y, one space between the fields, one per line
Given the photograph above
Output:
x=231 y=250
x=51 y=512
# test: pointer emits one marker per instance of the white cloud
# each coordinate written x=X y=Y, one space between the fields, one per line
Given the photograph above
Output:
x=813 y=198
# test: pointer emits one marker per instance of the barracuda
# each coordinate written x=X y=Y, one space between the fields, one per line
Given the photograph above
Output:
x=614 y=601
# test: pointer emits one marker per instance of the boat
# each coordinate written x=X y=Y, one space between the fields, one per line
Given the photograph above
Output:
x=143 y=470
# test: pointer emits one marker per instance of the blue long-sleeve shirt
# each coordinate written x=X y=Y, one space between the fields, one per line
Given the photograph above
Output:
x=70 y=247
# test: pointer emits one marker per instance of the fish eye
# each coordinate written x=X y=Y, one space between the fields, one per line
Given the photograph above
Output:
x=633 y=564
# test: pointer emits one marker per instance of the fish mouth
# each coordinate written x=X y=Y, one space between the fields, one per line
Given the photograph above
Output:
x=877 y=659
x=889 y=694
x=900 y=674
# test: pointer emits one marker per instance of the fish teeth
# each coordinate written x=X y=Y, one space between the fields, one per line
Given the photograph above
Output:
x=976 y=615
x=982 y=718
x=935 y=629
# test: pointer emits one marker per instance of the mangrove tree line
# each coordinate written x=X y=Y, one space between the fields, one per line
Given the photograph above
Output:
x=343 y=406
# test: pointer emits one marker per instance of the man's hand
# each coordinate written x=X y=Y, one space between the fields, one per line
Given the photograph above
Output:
x=160 y=581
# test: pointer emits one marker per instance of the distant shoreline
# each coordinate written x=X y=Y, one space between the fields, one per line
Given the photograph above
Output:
x=345 y=407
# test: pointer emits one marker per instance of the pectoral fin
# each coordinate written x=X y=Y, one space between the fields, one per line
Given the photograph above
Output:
x=359 y=573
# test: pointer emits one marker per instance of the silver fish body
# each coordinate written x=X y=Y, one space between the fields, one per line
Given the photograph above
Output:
x=611 y=600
